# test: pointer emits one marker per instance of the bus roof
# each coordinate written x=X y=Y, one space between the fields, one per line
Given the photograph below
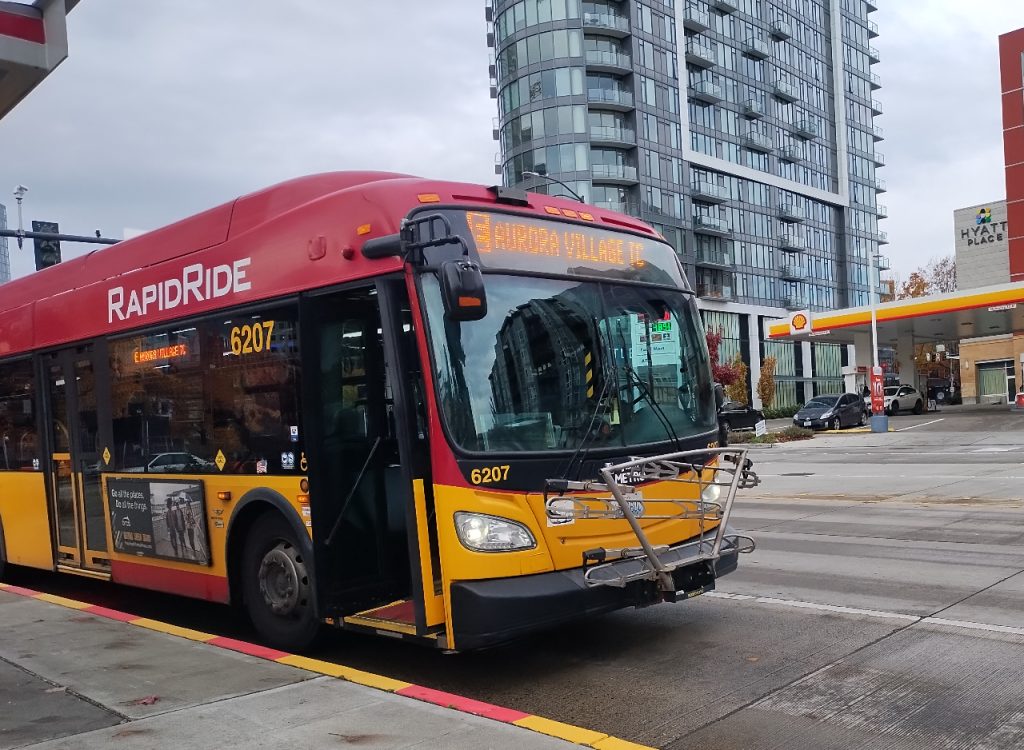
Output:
x=272 y=241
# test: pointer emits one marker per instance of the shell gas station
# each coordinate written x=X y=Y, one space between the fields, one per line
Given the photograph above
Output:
x=988 y=322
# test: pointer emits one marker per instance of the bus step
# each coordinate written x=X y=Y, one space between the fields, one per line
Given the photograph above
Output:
x=397 y=617
x=98 y=575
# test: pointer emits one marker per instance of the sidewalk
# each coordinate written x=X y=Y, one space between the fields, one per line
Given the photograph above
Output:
x=79 y=676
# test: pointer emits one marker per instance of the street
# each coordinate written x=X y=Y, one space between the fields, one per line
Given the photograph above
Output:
x=882 y=608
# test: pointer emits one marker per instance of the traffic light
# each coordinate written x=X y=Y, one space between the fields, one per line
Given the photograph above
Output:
x=47 y=251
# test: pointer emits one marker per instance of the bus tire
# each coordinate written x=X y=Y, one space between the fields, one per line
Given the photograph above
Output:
x=277 y=587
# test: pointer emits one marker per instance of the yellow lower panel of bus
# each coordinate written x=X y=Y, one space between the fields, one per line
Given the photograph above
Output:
x=24 y=517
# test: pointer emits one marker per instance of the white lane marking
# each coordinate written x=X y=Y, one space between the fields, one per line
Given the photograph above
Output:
x=993 y=450
x=966 y=624
x=974 y=625
x=922 y=424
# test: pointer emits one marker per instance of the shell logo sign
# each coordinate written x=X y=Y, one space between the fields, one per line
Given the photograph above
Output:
x=800 y=322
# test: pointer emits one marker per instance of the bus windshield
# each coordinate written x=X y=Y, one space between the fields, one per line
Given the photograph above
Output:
x=561 y=364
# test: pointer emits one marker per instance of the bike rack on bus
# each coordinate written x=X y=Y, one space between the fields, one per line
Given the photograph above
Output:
x=618 y=497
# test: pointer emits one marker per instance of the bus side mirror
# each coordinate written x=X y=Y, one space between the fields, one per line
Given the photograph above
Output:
x=462 y=288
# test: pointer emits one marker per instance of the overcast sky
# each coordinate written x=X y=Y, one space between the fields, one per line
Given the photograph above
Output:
x=167 y=107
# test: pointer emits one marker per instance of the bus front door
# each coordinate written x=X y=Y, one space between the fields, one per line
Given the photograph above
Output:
x=76 y=458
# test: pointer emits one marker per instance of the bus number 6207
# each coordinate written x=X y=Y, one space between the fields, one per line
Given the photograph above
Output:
x=489 y=474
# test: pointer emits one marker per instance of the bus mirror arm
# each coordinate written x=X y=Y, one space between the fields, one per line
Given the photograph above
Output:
x=719 y=397
x=383 y=247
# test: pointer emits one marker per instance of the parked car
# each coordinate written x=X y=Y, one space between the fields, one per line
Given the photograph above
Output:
x=737 y=416
x=899 y=398
x=831 y=411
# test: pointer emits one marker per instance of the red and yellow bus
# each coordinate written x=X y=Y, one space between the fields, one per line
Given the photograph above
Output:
x=416 y=408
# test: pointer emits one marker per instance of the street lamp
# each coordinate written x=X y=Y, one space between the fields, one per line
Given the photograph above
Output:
x=19 y=194
x=552 y=179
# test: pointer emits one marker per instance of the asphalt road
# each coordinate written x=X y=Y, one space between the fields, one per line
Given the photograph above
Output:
x=883 y=608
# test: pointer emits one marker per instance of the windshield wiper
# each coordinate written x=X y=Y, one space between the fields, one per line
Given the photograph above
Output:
x=598 y=409
x=649 y=398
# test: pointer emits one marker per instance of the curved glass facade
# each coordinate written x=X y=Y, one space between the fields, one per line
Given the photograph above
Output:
x=743 y=130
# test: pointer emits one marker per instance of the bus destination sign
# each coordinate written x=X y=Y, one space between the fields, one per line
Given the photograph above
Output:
x=527 y=244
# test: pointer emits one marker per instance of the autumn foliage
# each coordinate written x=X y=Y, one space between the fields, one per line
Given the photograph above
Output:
x=726 y=374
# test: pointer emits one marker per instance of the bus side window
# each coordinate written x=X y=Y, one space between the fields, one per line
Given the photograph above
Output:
x=18 y=439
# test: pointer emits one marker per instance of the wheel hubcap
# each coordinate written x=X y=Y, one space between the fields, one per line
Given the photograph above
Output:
x=281 y=581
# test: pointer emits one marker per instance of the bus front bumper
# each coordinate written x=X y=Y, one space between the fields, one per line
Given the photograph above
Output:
x=489 y=612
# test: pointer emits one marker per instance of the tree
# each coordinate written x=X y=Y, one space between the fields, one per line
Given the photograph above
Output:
x=937 y=277
x=725 y=374
x=738 y=391
x=766 y=386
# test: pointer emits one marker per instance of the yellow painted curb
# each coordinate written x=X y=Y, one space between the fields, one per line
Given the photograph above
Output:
x=563 y=731
x=164 y=627
x=357 y=676
x=62 y=601
x=614 y=743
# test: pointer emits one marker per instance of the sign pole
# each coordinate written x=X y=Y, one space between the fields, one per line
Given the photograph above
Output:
x=879 y=419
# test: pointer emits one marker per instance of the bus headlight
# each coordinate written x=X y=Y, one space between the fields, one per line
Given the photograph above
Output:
x=713 y=490
x=482 y=533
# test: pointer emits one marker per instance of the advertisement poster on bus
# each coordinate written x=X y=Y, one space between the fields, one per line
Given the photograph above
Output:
x=159 y=518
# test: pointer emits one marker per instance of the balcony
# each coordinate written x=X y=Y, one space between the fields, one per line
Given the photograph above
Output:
x=609 y=24
x=878 y=159
x=754 y=109
x=725 y=6
x=616 y=99
x=794 y=301
x=877 y=134
x=872 y=29
x=873 y=55
x=876 y=107
x=758 y=141
x=883 y=263
x=780 y=30
x=695 y=19
x=610 y=135
x=756 y=48
x=707 y=91
x=882 y=211
x=792 y=243
x=872 y=5
x=631 y=208
x=714 y=258
x=793 y=272
x=806 y=129
x=709 y=192
x=617 y=174
x=715 y=225
x=793 y=153
x=883 y=238
x=791 y=213
x=714 y=291
x=786 y=91
x=876 y=81
x=604 y=61
x=880 y=186
x=700 y=54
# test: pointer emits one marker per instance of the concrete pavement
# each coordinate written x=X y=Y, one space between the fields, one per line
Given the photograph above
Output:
x=75 y=676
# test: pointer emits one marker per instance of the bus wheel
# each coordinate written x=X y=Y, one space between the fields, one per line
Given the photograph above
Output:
x=276 y=586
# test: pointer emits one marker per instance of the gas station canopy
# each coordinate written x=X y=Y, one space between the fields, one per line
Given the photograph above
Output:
x=33 y=41
x=985 y=311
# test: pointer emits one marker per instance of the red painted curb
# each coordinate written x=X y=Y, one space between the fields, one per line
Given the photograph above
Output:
x=19 y=590
x=112 y=614
x=250 y=649
x=461 y=703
